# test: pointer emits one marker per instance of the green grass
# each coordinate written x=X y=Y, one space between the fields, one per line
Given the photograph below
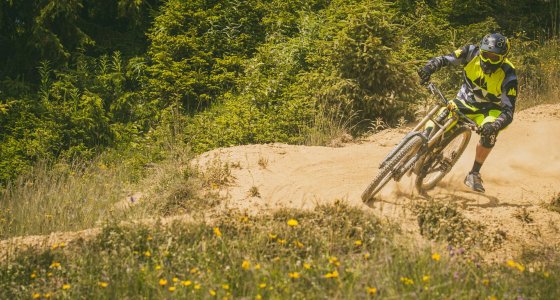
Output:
x=331 y=252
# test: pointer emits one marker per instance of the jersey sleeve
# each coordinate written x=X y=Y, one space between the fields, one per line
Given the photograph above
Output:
x=459 y=57
x=509 y=95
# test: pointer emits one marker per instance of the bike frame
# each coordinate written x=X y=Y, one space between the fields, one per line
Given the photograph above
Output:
x=441 y=126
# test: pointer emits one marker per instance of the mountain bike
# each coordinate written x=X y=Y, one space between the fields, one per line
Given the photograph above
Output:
x=427 y=151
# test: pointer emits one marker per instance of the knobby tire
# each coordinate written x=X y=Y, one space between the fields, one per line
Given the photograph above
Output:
x=386 y=172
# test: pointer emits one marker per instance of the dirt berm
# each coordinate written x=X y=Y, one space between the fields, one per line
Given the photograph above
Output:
x=520 y=176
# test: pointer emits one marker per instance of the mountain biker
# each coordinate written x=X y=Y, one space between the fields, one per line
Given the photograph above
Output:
x=487 y=95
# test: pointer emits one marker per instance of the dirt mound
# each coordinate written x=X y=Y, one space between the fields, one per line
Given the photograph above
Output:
x=521 y=174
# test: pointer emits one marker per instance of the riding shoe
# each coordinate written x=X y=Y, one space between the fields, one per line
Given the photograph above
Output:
x=474 y=181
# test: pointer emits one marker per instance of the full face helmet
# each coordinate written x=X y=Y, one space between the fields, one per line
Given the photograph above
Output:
x=494 y=48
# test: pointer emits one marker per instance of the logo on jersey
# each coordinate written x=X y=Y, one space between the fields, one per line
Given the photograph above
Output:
x=458 y=52
x=512 y=92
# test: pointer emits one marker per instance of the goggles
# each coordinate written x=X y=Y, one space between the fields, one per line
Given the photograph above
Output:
x=491 y=57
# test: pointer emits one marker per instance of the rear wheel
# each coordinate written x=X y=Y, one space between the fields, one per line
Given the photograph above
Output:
x=387 y=171
x=439 y=162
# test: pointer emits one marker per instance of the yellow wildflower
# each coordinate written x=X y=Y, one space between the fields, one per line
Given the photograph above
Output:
x=55 y=265
x=292 y=222
x=163 y=282
x=272 y=236
x=66 y=286
x=358 y=243
x=171 y=288
x=426 y=278
x=333 y=260
x=546 y=274
x=257 y=266
x=436 y=256
x=158 y=267
x=212 y=292
x=217 y=232
x=294 y=275
x=334 y=274
x=149 y=238
x=194 y=270
x=366 y=255
x=298 y=244
x=147 y=254
x=197 y=286
x=245 y=265
x=47 y=295
x=306 y=266
x=61 y=245
x=258 y=297
x=175 y=279
x=225 y=286
x=103 y=284
x=407 y=281
x=281 y=241
x=371 y=290
x=36 y=296
x=186 y=283
x=33 y=275
x=492 y=298
x=262 y=285
x=485 y=281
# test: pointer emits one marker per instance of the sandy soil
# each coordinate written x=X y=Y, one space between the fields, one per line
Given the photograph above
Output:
x=522 y=172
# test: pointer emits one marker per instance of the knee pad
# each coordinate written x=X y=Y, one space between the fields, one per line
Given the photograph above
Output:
x=488 y=141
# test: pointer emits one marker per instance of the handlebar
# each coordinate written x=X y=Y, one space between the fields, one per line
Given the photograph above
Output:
x=470 y=123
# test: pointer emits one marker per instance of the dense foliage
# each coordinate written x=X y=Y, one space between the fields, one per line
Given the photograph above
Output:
x=80 y=77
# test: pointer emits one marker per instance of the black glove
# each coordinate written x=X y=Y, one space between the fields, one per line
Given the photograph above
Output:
x=425 y=73
x=490 y=128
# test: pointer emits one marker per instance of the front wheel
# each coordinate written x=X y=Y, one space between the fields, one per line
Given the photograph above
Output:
x=391 y=166
x=439 y=162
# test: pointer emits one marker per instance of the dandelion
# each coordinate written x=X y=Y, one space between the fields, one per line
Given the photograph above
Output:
x=217 y=232
x=426 y=278
x=257 y=266
x=47 y=295
x=62 y=245
x=367 y=256
x=54 y=246
x=172 y=288
x=245 y=265
x=225 y=286
x=197 y=286
x=212 y=292
x=546 y=274
x=186 y=283
x=194 y=270
x=258 y=297
x=55 y=265
x=103 y=284
x=358 y=243
x=485 y=281
x=281 y=241
x=292 y=222
x=371 y=290
x=298 y=244
x=306 y=266
x=66 y=286
x=294 y=275
x=515 y=265
x=333 y=274
x=407 y=281
x=147 y=254
x=33 y=275
x=492 y=298
x=149 y=238
x=262 y=285
x=333 y=260
x=158 y=267
x=436 y=256
x=36 y=296
x=272 y=236
x=163 y=282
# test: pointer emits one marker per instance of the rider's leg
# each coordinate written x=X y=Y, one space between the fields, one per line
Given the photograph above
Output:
x=480 y=156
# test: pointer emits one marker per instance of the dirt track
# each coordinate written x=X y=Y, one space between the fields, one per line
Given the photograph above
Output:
x=522 y=172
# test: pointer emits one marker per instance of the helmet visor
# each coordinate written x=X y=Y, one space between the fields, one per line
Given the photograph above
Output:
x=491 y=57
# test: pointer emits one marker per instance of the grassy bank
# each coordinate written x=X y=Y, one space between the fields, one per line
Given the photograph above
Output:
x=331 y=252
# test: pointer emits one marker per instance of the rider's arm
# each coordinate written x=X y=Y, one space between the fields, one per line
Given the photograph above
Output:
x=458 y=57
x=509 y=95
